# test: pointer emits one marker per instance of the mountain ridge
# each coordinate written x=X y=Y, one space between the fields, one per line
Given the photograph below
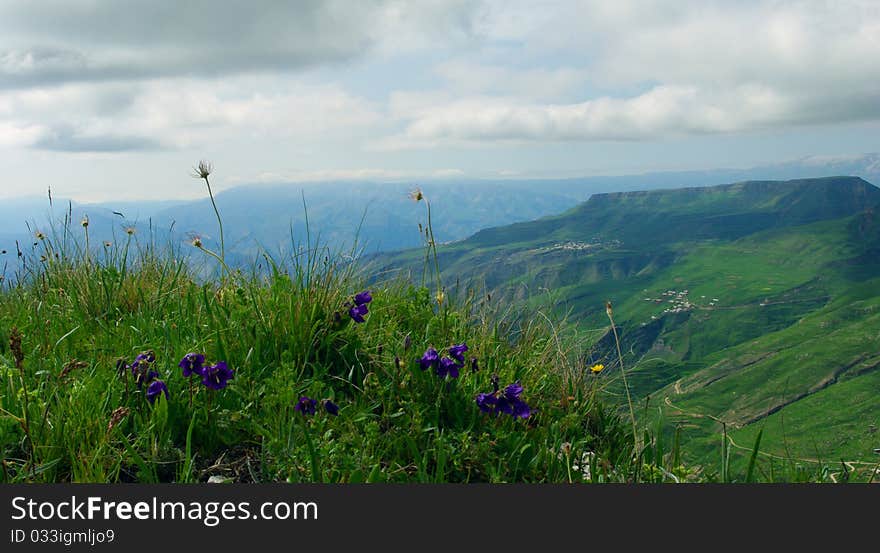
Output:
x=709 y=285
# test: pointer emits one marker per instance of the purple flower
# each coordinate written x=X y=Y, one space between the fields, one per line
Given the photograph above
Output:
x=521 y=409
x=513 y=391
x=363 y=298
x=429 y=359
x=357 y=312
x=486 y=402
x=507 y=402
x=457 y=351
x=156 y=388
x=330 y=407
x=447 y=366
x=142 y=363
x=192 y=363
x=217 y=376
x=145 y=356
x=143 y=377
x=306 y=405
x=513 y=407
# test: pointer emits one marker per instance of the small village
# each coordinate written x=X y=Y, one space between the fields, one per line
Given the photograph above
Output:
x=595 y=244
x=679 y=302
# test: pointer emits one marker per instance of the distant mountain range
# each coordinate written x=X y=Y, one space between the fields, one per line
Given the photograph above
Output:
x=754 y=303
x=379 y=215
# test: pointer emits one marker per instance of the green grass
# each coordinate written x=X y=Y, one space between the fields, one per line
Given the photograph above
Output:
x=287 y=334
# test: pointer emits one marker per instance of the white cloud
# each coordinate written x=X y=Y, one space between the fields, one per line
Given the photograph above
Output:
x=54 y=42
x=13 y=135
x=98 y=90
x=697 y=67
x=469 y=77
x=176 y=113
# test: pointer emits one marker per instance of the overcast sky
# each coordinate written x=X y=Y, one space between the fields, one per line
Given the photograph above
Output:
x=118 y=99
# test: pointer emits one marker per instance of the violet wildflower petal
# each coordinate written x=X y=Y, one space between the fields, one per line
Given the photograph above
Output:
x=513 y=391
x=486 y=402
x=447 y=366
x=504 y=405
x=156 y=388
x=306 y=405
x=521 y=409
x=192 y=363
x=216 y=377
x=363 y=298
x=331 y=407
x=429 y=359
x=457 y=351
x=357 y=313
x=145 y=377
x=146 y=356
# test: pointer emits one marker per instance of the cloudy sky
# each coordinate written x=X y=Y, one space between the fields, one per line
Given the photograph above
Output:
x=117 y=99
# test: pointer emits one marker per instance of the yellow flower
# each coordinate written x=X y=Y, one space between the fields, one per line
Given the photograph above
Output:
x=597 y=368
x=440 y=297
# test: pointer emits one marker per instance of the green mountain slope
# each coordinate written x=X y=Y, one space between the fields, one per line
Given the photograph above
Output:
x=742 y=302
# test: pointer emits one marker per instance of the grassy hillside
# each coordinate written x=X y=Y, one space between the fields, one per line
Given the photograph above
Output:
x=129 y=366
x=737 y=302
x=304 y=377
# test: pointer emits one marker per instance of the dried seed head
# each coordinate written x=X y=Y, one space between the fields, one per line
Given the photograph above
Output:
x=71 y=366
x=116 y=417
x=15 y=346
x=416 y=195
x=40 y=235
x=197 y=242
x=608 y=309
x=85 y=221
x=129 y=230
